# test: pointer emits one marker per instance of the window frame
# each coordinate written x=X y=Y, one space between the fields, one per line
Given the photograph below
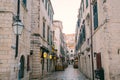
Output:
x=46 y=4
x=43 y=29
x=95 y=15
x=24 y=3
x=86 y=3
x=48 y=34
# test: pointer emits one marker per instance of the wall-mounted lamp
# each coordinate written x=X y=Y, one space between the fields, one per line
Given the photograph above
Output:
x=45 y=55
x=50 y=56
x=95 y=54
x=17 y=27
x=54 y=57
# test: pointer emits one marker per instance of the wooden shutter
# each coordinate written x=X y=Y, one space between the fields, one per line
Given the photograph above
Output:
x=98 y=60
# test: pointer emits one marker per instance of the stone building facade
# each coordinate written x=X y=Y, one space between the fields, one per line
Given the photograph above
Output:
x=35 y=40
x=59 y=41
x=11 y=67
x=57 y=28
x=41 y=37
x=100 y=19
x=70 y=41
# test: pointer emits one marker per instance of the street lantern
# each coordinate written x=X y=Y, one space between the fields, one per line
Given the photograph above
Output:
x=54 y=57
x=50 y=56
x=18 y=27
x=45 y=55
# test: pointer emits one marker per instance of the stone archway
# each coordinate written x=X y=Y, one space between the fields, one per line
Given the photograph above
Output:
x=21 y=70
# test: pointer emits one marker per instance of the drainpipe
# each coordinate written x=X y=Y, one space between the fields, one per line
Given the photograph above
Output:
x=91 y=40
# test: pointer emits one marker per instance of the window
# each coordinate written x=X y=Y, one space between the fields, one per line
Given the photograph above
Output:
x=78 y=23
x=52 y=17
x=83 y=5
x=25 y=2
x=95 y=15
x=48 y=9
x=88 y=41
x=28 y=63
x=48 y=32
x=88 y=20
x=81 y=13
x=46 y=1
x=71 y=55
x=21 y=70
x=84 y=35
x=51 y=37
x=43 y=29
x=86 y=3
x=98 y=60
x=80 y=39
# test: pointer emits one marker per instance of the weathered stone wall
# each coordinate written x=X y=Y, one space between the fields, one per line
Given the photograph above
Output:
x=40 y=15
x=106 y=39
x=9 y=66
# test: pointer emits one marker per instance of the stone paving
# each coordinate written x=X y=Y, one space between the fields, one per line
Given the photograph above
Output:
x=69 y=74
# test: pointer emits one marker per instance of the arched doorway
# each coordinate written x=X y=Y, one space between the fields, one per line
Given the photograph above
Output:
x=21 y=70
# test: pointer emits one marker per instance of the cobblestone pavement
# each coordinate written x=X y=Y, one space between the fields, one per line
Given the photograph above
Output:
x=69 y=74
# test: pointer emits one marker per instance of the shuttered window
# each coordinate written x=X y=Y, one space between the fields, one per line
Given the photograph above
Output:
x=25 y=2
x=95 y=15
x=86 y=3
x=98 y=61
x=28 y=63
x=43 y=29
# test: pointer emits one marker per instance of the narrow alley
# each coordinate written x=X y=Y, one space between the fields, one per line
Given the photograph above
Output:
x=69 y=73
x=59 y=40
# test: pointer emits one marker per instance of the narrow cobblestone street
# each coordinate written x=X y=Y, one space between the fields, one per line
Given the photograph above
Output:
x=68 y=74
